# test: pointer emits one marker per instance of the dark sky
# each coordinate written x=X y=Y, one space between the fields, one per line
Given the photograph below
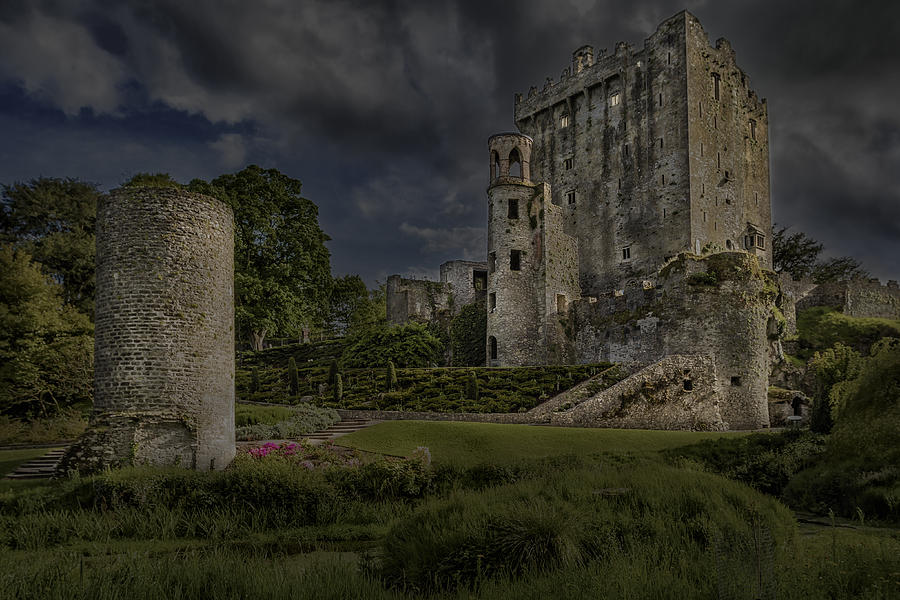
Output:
x=383 y=109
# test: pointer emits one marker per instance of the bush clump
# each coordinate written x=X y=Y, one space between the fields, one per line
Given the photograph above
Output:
x=302 y=419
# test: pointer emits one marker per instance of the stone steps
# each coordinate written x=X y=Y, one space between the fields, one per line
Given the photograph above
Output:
x=42 y=467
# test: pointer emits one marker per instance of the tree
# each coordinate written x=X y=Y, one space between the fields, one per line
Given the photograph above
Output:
x=53 y=220
x=795 y=254
x=293 y=379
x=371 y=314
x=798 y=255
x=348 y=296
x=472 y=386
x=282 y=276
x=841 y=268
x=390 y=376
x=468 y=332
x=162 y=180
x=46 y=348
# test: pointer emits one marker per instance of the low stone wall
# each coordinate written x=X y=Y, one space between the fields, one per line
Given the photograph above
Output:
x=678 y=392
x=402 y=415
x=856 y=298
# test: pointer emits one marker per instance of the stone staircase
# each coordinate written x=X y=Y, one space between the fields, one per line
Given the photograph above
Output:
x=42 y=467
x=341 y=428
x=587 y=389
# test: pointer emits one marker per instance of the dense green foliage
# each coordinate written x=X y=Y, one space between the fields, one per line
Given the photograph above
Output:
x=255 y=414
x=410 y=345
x=293 y=381
x=468 y=332
x=46 y=346
x=860 y=466
x=438 y=389
x=53 y=220
x=820 y=328
x=269 y=423
x=598 y=525
x=349 y=304
x=282 y=276
x=157 y=180
x=830 y=368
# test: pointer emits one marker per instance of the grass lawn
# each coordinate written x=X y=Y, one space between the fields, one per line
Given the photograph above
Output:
x=10 y=459
x=464 y=444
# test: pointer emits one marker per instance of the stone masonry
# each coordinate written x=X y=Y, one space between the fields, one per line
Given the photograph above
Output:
x=164 y=336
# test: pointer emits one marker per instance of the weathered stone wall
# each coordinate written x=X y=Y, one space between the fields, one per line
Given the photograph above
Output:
x=729 y=150
x=718 y=306
x=677 y=392
x=856 y=298
x=468 y=282
x=416 y=300
x=164 y=333
x=646 y=159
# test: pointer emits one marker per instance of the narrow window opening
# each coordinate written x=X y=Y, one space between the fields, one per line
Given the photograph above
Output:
x=614 y=99
x=660 y=100
x=752 y=129
x=626 y=253
x=479 y=279
x=492 y=301
x=627 y=151
x=704 y=216
x=660 y=143
x=727 y=200
x=688 y=385
x=702 y=188
x=756 y=197
x=663 y=179
x=515 y=164
x=715 y=225
x=515 y=260
x=701 y=148
x=760 y=241
x=569 y=163
x=797 y=406
x=493 y=344
x=561 y=303
x=492 y=262
x=715 y=122
x=664 y=213
x=570 y=197
x=716 y=85
x=669 y=59
x=564 y=121
x=513 y=212
x=718 y=160
x=700 y=107
x=495 y=165
x=729 y=245
x=736 y=380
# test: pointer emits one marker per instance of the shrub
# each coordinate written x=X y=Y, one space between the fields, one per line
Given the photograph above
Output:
x=293 y=382
x=390 y=376
x=333 y=371
x=338 y=388
x=410 y=345
x=468 y=331
x=822 y=327
x=472 y=387
x=254 y=380
x=303 y=419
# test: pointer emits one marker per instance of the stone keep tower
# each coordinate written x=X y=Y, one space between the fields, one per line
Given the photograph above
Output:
x=652 y=151
x=164 y=337
x=532 y=263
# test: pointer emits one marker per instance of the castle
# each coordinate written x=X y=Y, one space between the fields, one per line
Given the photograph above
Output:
x=629 y=221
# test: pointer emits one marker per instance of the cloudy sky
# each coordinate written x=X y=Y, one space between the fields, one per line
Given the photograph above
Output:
x=383 y=109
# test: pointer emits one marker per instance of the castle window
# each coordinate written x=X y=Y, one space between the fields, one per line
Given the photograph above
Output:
x=716 y=78
x=479 y=279
x=493 y=301
x=614 y=99
x=729 y=245
x=495 y=165
x=492 y=262
x=569 y=163
x=627 y=150
x=561 y=303
x=702 y=188
x=718 y=160
x=700 y=107
x=756 y=197
x=515 y=260
x=515 y=163
x=736 y=380
x=663 y=179
x=701 y=148
x=715 y=225
x=660 y=143
x=752 y=129
x=727 y=200
x=687 y=385
x=760 y=241
x=715 y=122
x=513 y=212
x=626 y=253
x=570 y=197
x=620 y=183
x=660 y=99
x=564 y=121
x=493 y=344
x=704 y=216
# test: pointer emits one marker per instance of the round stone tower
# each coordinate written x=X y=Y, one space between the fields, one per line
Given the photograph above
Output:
x=164 y=333
x=513 y=255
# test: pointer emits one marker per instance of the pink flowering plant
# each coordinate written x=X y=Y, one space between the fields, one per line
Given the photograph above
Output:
x=306 y=455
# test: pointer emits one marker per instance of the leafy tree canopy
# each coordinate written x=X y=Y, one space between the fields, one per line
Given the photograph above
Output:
x=348 y=296
x=53 y=221
x=799 y=255
x=282 y=271
x=46 y=349
x=163 y=180
x=410 y=345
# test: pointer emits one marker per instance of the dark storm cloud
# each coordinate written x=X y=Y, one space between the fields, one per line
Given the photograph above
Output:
x=383 y=108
